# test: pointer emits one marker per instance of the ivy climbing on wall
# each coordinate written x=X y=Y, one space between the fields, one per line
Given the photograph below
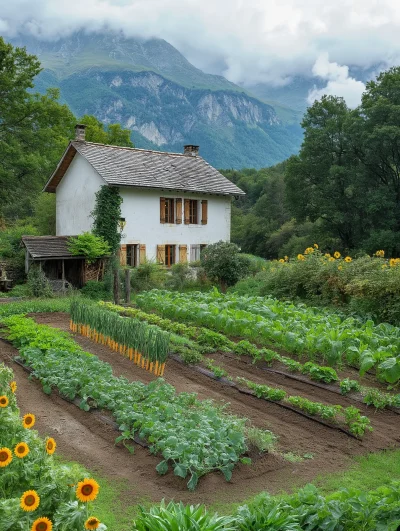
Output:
x=106 y=215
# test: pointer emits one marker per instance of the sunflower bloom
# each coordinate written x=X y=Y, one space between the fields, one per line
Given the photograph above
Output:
x=5 y=457
x=301 y=257
x=281 y=261
x=340 y=267
x=13 y=386
x=309 y=250
x=337 y=255
x=21 y=449
x=87 y=490
x=3 y=401
x=316 y=246
x=50 y=445
x=348 y=259
x=29 y=500
x=327 y=255
x=28 y=420
x=331 y=259
x=42 y=524
x=286 y=258
x=92 y=523
x=380 y=253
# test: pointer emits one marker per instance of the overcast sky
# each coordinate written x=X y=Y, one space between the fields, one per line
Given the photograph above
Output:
x=248 y=41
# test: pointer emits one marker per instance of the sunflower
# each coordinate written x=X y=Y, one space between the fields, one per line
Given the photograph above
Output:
x=3 y=401
x=28 y=420
x=327 y=255
x=316 y=246
x=87 y=490
x=42 y=524
x=286 y=258
x=301 y=257
x=29 y=500
x=348 y=259
x=21 y=449
x=337 y=255
x=92 y=523
x=331 y=259
x=340 y=267
x=5 y=457
x=13 y=386
x=380 y=253
x=309 y=250
x=281 y=260
x=50 y=445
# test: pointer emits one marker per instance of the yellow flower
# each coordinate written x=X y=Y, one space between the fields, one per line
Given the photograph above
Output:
x=327 y=255
x=286 y=259
x=28 y=420
x=29 y=500
x=380 y=253
x=87 y=490
x=3 y=401
x=316 y=246
x=336 y=254
x=50 y=445
x=5 y=457
x=13 y=386
x=301 y=257
x=309 y=250
x=348 y=259
x=21 y=449
x=384 y=266
x=281 y=260
x=92 y=523
x=331 y=259
x=340 y=267
x=42 y=524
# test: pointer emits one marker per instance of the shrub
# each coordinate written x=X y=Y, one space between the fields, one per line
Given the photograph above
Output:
x=96 y=290
x=90 y=246
x=147 y=276
x=180 y=277
x=224 y=264
x=38 y=285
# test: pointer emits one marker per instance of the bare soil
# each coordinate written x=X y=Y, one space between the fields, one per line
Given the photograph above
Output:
x=86 y=438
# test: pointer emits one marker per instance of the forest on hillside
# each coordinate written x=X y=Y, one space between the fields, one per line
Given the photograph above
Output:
x=342 y=190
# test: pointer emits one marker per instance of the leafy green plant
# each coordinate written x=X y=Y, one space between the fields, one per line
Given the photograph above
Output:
x=263 y=440
x=349 y=386
x=89 y=245
x=37 y=284
x=319 y=373
x=218 y=371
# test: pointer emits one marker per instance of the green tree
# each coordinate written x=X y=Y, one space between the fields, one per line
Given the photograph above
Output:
x=88 y=245
x=113 y=134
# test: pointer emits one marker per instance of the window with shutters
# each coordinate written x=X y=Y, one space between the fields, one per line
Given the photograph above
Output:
x=193 y=211
x=169 y=255
x=132 y=255
x=169 y=210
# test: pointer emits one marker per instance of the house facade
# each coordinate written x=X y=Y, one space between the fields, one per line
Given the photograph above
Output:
x=172 y=204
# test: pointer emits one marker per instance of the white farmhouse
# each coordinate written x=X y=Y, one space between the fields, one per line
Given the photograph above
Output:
x=173 y=204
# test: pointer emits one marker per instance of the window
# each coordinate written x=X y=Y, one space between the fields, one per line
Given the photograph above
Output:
x=193 y=218
x=167 y=210
x=195 y=251
x=169 y=255
x=132 y=255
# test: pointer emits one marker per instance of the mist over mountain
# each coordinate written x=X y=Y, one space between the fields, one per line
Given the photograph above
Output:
x=150 y=88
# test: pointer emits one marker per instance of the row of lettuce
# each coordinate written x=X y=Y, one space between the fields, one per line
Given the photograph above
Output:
x=314 y=334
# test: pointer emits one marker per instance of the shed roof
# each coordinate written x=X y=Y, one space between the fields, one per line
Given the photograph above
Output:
x=141 y=168
x=48 y=247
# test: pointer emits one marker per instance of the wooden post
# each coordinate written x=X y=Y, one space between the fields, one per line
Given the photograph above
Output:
x=127 y=286
x=116 y=285
x=63 y=275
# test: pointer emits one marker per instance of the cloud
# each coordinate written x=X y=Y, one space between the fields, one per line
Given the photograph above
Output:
x=248 y=41
x=339 y=83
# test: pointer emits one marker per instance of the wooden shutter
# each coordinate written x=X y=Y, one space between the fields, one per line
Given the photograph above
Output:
x=161 y=254
x=178 y=217
x=204 y=212
x=162 y=209
x=142 y=254
x=122 y=255
x=187 y=211
x=183 y=253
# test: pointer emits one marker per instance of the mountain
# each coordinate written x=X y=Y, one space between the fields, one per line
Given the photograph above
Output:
x=150 y=88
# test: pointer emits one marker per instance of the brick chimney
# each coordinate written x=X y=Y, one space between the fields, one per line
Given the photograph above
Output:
x=80 y=132
x=191 y=151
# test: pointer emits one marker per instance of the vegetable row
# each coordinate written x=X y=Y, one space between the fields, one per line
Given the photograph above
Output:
x=297 y=328
x=193 y=437
x=148 y=346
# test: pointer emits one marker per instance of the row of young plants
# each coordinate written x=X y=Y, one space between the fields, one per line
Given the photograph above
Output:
x=192 y=352
x=193 y=437
x=37 y=493
x=307 y=510
x=307 y=332
x=350 y=416
x=148 y=346
x=61 y=304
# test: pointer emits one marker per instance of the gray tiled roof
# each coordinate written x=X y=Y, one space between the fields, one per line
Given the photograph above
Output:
x=155 y=169
x=47 y=247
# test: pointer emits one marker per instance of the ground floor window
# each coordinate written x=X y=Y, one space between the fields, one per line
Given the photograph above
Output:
x=195 y=251
x=132 y=255
x=169 y=255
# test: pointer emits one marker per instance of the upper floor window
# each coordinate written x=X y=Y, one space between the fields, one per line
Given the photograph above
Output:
x=167 y=214
x=193 y=211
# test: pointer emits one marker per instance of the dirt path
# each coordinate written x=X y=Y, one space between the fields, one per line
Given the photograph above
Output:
x=84 y=437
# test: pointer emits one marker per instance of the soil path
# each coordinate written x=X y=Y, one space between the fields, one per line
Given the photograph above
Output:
x=85 y=438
